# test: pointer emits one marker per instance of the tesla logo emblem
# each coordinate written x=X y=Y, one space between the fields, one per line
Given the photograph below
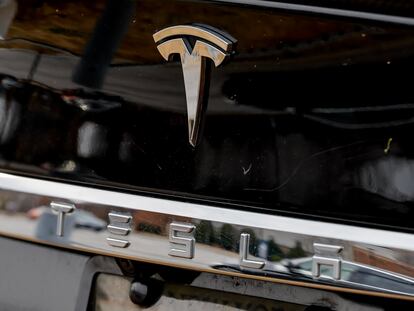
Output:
x=214 y=45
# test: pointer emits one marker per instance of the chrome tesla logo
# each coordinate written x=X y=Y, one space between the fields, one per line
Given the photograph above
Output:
x=214 y=45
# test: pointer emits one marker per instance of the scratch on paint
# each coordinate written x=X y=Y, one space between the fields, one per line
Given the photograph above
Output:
x=246 y=171
x=388 y=148
x=301 y=163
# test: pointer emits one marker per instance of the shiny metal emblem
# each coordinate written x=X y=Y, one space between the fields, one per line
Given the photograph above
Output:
x=327 y=255
x=182 y=240
x=214 y=45
x=119 y=226
x=61 y=209
x=244 y=253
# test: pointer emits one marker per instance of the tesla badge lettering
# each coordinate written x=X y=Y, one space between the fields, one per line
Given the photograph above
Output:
x=61 y=209
x=244 y=254
x=119 y=227
x=327 y=255
x=182 y=240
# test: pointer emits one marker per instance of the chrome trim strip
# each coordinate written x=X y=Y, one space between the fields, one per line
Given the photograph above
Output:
x=205 y=238
x=325 y=11
x=382 y=238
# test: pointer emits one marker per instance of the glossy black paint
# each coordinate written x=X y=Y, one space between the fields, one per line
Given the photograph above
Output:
x=313 y=115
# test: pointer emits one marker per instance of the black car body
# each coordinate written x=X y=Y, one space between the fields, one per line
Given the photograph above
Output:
x=176 y=151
